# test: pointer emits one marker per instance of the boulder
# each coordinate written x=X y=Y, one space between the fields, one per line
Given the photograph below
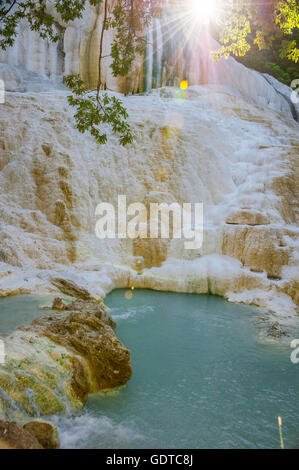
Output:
x=68 y=287
x=104 y=363
x=13 y=436
x=58 y=304
x=57 y=360
x=45 y=432
x=92 y=307
x=259 y=248
x=274 y=331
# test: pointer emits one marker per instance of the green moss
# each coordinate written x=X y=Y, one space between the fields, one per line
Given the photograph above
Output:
x=39 y=381
x=45 y=399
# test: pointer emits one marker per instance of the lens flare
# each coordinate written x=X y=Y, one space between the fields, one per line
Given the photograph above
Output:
x=128 y=294
x=204 y=10
x=184 y=85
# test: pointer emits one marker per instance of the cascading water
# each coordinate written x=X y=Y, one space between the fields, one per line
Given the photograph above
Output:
x=154 y=56
x=204 y=377
x=148 y=65
x=202 y=143
x=221 y=143
x=172 y=52
x=158 y=54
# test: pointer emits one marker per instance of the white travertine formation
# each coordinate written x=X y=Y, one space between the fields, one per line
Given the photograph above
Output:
x=239 y=159
x=77 y=52
x=231 y=143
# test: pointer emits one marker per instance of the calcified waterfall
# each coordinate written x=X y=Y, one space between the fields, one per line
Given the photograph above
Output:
x=148 y=63
x=174 y=53
x=158 y=55
x=230 y=141
x=153 y=63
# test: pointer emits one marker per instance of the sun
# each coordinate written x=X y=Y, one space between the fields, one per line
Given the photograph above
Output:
x=203 y=10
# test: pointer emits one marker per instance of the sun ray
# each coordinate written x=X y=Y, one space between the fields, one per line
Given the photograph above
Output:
x=188 y=17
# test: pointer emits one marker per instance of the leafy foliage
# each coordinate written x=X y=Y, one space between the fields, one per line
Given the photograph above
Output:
x=287 y=15
x=234 y=35
x=38 y=16
x=254 y=29
x=129 y=19
x=259 y=23
x=93 y=111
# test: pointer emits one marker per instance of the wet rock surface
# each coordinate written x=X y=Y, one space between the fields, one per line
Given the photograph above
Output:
x=275 y=331
x=33 y=435
x=58 y=304
x=86 y=331
x=45 y=432
x=98 y=309
x=13 y=436
x=68 y=287
x=89 y=307
x=56 y=361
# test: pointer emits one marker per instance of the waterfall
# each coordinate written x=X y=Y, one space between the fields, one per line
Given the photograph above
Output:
x=148 y=65
x=158 y=54
x=154 y=56
x=174 y=52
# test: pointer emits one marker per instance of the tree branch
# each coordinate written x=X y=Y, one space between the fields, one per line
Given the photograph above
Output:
x=101 y=48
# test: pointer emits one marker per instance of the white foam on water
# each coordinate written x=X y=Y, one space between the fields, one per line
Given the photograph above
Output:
x=84 y=430
x=130 y=312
